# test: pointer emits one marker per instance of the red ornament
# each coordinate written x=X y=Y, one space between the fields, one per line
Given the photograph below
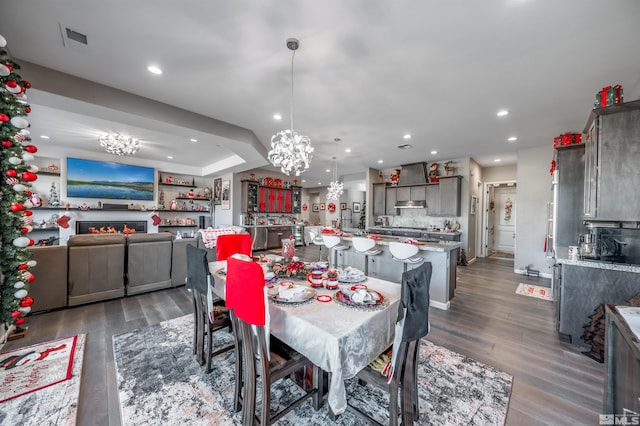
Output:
x=29 y=176
x=28 y=193
x=27 y=109
x=23 y=267
x=15 y=314
x=26 y=84
x=26 y=301
x=16 y=207
x=27 y=213
x=11 y=173
x=31 y=242
x=11 y=84
x=24 y=230
x=9 y=67
x=7 y=144
x=19 y=321
x=4 y=118
x=31 y=148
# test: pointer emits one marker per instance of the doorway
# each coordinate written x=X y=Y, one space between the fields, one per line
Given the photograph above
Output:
x=500 y=219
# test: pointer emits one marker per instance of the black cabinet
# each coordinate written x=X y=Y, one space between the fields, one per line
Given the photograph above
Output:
x=249 y=197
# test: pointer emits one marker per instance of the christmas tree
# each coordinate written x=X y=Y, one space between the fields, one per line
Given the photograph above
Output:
x=15 y=192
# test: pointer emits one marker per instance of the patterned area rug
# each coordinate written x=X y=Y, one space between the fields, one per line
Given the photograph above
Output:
x=52 y=403
x=160 y=382
x=531 y=290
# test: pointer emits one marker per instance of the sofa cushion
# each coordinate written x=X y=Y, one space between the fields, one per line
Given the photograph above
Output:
x=94 y=240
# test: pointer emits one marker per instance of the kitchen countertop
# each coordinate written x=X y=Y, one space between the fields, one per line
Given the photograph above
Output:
x=267 y=226
x=440 y=246
x=563 y=258
x=426 y=230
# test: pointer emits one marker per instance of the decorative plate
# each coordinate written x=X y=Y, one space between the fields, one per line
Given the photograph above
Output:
x=308 y=295
x=344 y=300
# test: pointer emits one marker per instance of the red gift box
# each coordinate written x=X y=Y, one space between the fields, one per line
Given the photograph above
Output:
x=566 y=139
x=556 y=141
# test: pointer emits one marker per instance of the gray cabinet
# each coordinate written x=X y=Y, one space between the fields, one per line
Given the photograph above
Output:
x=417 y=192
x=379 y=194
x=433 y=199
x=622 y=358
x=612 y=175
x=392 y=194
x=450 y=196
x=403 y=193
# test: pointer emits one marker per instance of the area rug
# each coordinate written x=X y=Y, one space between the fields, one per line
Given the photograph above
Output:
x=531 y=290
x=50 y=373
x=160 y=382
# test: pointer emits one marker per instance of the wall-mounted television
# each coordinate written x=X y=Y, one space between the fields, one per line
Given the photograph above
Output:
x=102 y=179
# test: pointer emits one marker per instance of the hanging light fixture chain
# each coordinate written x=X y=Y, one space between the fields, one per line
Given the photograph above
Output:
x=291 y=99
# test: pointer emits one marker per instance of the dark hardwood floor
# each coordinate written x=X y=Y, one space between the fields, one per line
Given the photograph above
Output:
x=554 y=384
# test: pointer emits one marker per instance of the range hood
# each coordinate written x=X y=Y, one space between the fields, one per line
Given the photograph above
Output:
x=411 y=204
x=413 y=174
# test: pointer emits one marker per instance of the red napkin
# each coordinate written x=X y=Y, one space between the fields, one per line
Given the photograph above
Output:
x=245 y=292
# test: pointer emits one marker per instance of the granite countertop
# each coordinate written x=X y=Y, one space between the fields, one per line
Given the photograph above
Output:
x=401 y=228
x=440 y=246
x=562 y=257
x=266 y=226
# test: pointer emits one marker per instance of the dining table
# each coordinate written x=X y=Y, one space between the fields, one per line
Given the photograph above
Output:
x=339 y=338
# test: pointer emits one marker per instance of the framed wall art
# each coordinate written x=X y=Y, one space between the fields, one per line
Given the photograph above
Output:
x=315 y=207
x=226 y=194
x=321 y=206
x=217 y=191
x=357 y=207
x=343 y=206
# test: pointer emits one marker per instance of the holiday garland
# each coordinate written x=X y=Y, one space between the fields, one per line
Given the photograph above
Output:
x=15 y=192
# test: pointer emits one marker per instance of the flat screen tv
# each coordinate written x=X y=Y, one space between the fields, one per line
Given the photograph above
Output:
x=101 y=179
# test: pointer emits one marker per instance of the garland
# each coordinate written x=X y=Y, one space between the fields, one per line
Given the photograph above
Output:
x=15 y=193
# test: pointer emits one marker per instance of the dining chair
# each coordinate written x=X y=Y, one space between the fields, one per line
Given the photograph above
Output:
x=207 y=315
x=405 y=253
x=230 y=244
x=365 y=246
x=272 y=360
x=332 y=242
x=400 y=375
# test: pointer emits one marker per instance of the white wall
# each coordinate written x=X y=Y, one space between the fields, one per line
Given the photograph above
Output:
x=533 y=194
x=499 y=174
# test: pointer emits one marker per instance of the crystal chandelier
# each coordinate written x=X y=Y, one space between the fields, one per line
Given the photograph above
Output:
x=291 y=151
x=119 y=145
x=336 y=188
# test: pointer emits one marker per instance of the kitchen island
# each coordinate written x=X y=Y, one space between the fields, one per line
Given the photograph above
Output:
x=443 y=256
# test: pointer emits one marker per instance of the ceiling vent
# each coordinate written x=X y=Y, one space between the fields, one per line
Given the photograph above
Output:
x=70 y=35
x=405 y=146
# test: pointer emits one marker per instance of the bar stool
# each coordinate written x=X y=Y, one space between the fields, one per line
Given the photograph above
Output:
x=405 y=253
x=365 y=246
x=315 y=239
x=332 y=242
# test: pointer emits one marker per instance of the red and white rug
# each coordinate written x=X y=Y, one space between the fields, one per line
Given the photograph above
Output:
x=531 y=290
x=40 y=384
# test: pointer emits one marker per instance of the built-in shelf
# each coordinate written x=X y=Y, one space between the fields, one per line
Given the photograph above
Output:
x=51 y=228
x=177 y=226
x=178 y=184
x=193 y=198
x=46 y=173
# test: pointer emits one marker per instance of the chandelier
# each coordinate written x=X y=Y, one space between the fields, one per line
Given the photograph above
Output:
x=119 y=145
x=291 y=151
x=336 y=188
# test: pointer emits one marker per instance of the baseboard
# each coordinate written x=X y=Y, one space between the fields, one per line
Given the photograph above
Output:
x=542 y=274
x=440 y=305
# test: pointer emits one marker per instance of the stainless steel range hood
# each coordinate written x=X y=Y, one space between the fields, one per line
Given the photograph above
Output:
x=413 y=174
x=411 y=204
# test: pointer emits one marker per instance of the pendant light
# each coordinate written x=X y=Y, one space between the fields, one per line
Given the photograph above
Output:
x=291 y=151
x=336 y=188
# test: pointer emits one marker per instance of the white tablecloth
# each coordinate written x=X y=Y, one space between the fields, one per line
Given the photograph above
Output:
x=338 y=339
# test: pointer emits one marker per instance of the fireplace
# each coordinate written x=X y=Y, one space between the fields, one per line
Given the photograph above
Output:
x=111 y=227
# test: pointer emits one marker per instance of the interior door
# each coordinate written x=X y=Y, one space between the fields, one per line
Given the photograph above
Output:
x=505 y=219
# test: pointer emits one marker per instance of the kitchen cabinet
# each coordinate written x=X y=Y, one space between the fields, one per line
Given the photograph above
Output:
x=612 y=175
x=449 y=188
x=403 y=193
x=258 y=198
x=275 y=235
x=622 y=359
x=432 y=197
x=379 y=194
x=392 y=197
x=417 y=192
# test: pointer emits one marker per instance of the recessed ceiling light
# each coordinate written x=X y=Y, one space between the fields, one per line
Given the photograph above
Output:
x=170 y=157
x=380 y=161
x=407 y=136
x=45 y=137
x=319 y=183
x=193 y=140
x=277 y=116
x=328 y=170
x=512 y=139
x=497 y=160
x=502 y=113
x=304 y=180
x=434 y=152
x=154 y=69
x=347 y=150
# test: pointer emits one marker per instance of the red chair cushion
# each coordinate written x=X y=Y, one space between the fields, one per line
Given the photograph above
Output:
x=245 y=291
x=230 y=244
